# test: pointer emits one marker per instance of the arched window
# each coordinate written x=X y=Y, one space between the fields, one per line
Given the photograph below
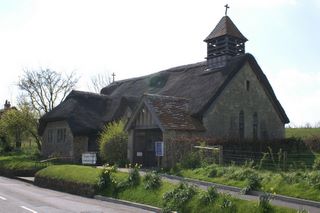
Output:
x=241 y=125
x=255 y=126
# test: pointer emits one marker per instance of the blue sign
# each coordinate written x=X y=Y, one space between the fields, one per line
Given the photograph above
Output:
x=159 y=148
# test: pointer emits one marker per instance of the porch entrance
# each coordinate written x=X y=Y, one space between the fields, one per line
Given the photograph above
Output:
x=144 y=146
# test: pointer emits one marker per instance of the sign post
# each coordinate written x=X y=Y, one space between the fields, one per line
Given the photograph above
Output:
x=159 y=150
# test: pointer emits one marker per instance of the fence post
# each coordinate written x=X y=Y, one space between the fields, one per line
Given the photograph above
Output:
x=220 y=155
x=285 y=156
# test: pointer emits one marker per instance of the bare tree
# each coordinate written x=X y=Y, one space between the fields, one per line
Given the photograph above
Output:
x=45 y=88
x=99 y=81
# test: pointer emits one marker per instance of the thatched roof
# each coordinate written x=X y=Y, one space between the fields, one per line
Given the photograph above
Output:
x=193 y=82
x=88 y=112
x=225 y=27
x=170 y=113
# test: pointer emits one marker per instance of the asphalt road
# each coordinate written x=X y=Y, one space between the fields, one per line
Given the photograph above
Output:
x=21 y=197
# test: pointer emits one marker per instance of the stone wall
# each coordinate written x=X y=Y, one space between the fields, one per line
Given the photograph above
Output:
x=80 y=145
x=54 y=147
x=244 y=92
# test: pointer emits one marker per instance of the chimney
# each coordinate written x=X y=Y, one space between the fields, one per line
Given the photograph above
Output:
x=7 y=105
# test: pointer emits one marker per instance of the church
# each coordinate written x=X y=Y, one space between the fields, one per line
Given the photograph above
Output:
x=226 y=97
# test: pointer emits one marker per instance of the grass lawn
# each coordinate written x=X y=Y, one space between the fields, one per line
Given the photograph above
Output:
x=303 y=184
x=302 y=133
x=155 y=198
x=86 y=174
x=73 y=173
x=19 y=161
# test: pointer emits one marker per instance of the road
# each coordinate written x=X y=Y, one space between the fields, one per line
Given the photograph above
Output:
x=21 y=197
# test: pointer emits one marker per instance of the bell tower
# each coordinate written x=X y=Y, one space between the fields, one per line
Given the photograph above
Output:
x=224 y=42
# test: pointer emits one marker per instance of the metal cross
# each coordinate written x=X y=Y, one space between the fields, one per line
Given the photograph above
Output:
x=227 y=7
x=113 y=75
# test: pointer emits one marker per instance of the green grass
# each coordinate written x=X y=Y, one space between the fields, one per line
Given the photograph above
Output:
x=277 y=182
x=303 y=133
x=19 y=161
x=154 y=198
x=73 y=173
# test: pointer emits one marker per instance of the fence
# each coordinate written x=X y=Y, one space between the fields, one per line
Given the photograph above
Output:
x=268 y=159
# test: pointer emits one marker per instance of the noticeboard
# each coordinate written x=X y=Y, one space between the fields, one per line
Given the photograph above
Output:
x=159 y=148
x=89 y=158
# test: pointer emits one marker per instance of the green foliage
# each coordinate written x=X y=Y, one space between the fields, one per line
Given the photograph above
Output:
x=264 y=203
x=213 y=172
x=177 y=199
x=134 y=176
x=106 y=179
x=113 y=143
x=18 y=125
x=253 y=183
x=152 y=180
x=316 y=164
x=209 y=196
x=191 y=161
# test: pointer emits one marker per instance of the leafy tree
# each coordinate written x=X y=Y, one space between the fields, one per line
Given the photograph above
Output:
x=113 y=143
x=19 y=124
x=45 y=88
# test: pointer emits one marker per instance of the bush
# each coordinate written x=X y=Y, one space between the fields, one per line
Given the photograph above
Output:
x=191 y=161
x=213 y=173
x=134 y=176
x=209 y=196
x=152 y=181
x=316 y=164
x=113 y=143
x=177 y=199
x=227 y=205
x=253 y=183
x=264 y=203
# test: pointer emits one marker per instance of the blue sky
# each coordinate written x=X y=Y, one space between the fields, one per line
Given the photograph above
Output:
x=133 y=38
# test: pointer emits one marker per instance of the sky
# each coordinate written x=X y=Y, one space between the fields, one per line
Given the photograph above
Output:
x=134 y=38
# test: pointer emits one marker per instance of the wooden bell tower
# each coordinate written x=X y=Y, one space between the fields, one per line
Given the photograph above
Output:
x=224 y=42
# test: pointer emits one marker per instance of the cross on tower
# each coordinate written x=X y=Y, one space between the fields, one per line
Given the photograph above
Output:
x=227 y=7
x=113 y=75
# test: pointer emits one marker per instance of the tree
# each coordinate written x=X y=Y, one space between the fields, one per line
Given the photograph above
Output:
x=45 y=88
x=99 y=81
x=19 y=124
x=113 y=143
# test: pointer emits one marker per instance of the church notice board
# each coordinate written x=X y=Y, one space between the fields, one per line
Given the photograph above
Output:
x=159 y=148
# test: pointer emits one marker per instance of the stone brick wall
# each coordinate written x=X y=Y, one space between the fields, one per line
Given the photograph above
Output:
x=80 y=145
x=57 y=148
x=222 y=118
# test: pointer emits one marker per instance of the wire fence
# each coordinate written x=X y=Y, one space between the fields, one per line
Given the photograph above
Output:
x=267 y=160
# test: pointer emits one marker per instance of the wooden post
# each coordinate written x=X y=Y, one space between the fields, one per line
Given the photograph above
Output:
x=285 y=156
x=220 y=155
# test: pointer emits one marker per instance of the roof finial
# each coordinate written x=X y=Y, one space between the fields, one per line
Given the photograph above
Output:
x=227 y=7
x=113 y=75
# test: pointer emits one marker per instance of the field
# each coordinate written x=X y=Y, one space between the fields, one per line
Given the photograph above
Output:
x=303 y=133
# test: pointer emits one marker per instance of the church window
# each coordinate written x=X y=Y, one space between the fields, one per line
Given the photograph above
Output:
x=248 y=85
x=255 y=126
x=50 y=136
x=61 y=135
x=241 y=124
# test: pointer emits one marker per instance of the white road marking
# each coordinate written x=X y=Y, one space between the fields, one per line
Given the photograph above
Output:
x=3 y=198
x=28 y=209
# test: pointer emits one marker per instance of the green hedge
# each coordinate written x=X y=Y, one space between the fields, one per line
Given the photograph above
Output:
x=19 y=165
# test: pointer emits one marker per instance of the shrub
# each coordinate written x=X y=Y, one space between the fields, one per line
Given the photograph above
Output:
x=177 y=199
x=152 y=180
x=264 y=203
x=316 y=164
x=191 y=161
x=253 y=183
x=113 y=143
x=227 y=205
x=209 y=196
x=134 y=176
x=213 y=173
